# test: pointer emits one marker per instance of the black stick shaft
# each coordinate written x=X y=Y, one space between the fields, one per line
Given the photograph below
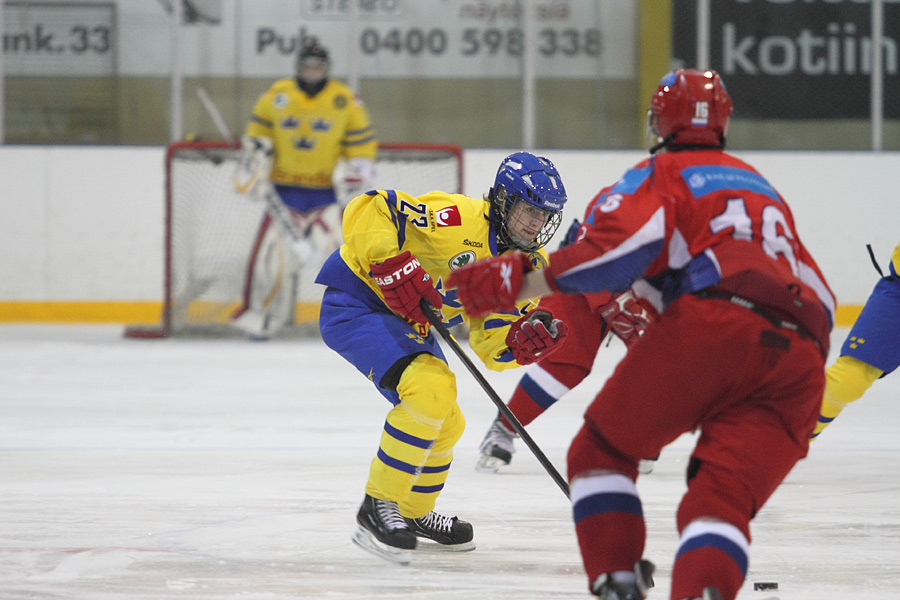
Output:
x=504 y=410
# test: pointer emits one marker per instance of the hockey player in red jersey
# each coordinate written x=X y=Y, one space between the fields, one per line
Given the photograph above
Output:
x=554 y=375
x=738 y=350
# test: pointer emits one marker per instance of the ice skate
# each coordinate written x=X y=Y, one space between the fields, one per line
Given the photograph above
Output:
x=709 y=593
x=497 y=448
x=612 y=586
x=645 y=466
x=450 y=533
x=383 y=532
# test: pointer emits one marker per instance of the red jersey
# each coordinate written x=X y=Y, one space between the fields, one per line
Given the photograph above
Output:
x=682 y=222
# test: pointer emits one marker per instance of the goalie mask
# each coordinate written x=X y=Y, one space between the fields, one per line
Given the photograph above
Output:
x=312 y=64
x=690 y=108
x=526 y=201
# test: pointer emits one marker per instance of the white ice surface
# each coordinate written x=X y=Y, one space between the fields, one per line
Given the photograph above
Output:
x=232 y=470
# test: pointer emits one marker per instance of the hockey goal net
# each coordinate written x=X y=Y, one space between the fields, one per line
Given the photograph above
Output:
x=210 y=230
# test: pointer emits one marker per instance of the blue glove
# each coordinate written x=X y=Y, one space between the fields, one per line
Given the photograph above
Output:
x=571 y=233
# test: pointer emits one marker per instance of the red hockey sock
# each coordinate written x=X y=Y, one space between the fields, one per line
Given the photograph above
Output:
x=525 y=409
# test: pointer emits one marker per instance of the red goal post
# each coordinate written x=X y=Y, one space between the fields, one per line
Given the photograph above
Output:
x=210 y=228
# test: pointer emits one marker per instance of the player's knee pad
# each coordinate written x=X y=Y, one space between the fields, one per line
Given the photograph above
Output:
x=847 y=380
x=590 y=451
x=716 y=493
x=451 y=431
x=427 y=389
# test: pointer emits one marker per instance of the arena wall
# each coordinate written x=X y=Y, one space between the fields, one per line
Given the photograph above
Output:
x=82 y=233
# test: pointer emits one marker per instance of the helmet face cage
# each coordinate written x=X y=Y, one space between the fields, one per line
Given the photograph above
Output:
x=312 y=55
x=533 y=180
x=689 y=108
x=509 y=222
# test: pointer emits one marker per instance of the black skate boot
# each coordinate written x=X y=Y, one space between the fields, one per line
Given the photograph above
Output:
x=609 y=586
x=449 y=532
x=383 y=532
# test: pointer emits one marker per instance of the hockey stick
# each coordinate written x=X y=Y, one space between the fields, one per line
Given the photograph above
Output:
x=436 y=322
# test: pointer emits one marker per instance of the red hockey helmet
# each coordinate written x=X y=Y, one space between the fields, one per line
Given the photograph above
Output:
x=689 y=108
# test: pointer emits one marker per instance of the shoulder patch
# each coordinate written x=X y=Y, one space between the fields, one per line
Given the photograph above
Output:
x=538 y=261
x=448 y=217
x=340 y=101
x=280 y=100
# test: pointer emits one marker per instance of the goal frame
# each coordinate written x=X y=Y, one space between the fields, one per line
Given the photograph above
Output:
x=164 y=328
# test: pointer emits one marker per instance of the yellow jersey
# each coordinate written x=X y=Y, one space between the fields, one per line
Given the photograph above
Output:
x=310 y=134
x=444 y=231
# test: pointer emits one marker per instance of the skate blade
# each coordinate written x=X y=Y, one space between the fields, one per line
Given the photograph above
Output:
x=430 y=546
x=489 y=464
x=365 y=540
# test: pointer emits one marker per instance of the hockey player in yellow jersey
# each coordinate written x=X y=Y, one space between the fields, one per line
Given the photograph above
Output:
x=300 y=131
x=871 y=350
x=399 y=249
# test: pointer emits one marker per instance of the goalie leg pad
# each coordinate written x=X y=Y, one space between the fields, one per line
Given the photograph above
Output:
x=269 y=289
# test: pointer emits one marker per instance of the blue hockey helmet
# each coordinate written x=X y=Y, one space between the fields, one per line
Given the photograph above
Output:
x=535 y=182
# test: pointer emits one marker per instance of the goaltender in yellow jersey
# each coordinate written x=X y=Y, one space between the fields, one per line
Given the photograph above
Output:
x=311 y=133
x=301 y=130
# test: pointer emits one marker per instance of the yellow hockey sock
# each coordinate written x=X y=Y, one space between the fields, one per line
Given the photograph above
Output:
x=415 y=430
x=845 y=381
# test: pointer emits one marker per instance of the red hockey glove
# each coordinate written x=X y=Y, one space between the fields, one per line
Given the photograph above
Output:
x=535 y=335
x=404 y=283
x=627 y=316
x=490 y=285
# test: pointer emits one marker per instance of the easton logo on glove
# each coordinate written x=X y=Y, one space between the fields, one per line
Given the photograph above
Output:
x=404 y=271
x=403 y=284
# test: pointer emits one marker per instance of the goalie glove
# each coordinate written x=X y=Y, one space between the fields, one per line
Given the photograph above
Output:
x=492 y=284
x=357 y=177
x=404 y=283
x=254 y=163
x=535 y=335
x=627 y=317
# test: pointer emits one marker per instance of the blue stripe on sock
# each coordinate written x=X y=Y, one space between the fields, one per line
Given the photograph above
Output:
x=427 y=489
x=711 y=540
x=598 y=504
x=407 y=438
x=537 y=394
x=437 y=469
x=396 y=464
